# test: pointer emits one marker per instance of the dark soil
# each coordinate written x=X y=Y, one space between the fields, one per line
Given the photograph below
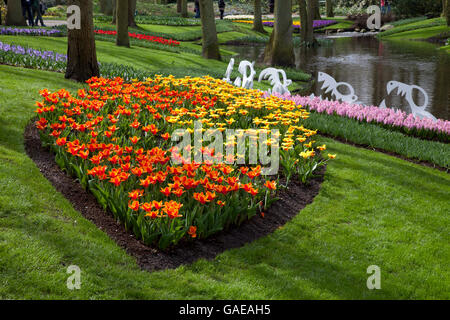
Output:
x=290 y=202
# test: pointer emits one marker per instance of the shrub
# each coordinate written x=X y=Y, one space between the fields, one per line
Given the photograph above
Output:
x=412 y=8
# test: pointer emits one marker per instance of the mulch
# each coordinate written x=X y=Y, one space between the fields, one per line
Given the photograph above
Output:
x=290 y=202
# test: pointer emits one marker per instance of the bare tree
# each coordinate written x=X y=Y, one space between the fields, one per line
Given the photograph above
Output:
x=122 y=38
x=210 y=43
x=257 y=21
x=280 y=49
x=14 y=15
x=81 y=53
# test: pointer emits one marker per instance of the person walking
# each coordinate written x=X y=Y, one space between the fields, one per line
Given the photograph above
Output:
x=197 y=9
x=387 y=6
x=26 y=11
x=221 y=8
x=37 y=8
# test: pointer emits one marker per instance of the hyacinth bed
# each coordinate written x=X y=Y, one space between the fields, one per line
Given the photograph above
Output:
x=116 y=139
x=144 y=37
x=387 y=117
x=30 y=31
x=32 y=58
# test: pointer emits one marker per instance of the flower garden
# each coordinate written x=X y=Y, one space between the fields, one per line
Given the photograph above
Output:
x=114 y=138
x=96 y=173
x=296 y=24
x=145 y=37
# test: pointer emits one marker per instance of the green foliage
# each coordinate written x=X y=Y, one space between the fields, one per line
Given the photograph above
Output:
x=407 y=21
x=412 y=8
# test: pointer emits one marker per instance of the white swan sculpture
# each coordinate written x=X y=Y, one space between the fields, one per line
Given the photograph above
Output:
x=405 y=90
x=331 y=85
x=273 y=76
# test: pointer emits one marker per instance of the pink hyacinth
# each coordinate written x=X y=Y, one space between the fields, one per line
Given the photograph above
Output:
x=385 y=116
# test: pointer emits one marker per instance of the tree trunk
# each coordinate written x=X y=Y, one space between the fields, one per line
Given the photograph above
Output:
x=81 y=54
x=257 y=21
x=122 y=14
x=114 y=16
x=303 y=19
x=106 y=7
x=317 y=10
x=329 y=5
x=447 y=11
x=14 y=15
x=310 y=28
x=280 y=49
x=184 y=9
x=131 y=11
x=179 y=6
x=210 y=42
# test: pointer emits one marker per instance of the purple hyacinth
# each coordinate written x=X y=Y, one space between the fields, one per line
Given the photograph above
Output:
x=28 y=31
x=46 y=55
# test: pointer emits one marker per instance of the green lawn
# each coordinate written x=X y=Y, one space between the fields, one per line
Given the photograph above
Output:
x=423 y=33
x=149 y=59
x=170 y=29
x=146 y=58
x=422 y=30
x=373 y=209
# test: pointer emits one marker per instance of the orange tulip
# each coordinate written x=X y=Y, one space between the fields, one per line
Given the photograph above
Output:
x=272 y=185
x=134 y=139
x=192 y=231
x=134 y=205
x=166 y=191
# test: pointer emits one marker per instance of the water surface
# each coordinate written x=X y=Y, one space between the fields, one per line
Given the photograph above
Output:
x=369 y=64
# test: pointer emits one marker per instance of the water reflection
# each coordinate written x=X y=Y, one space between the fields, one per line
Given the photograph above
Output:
x=369 y=64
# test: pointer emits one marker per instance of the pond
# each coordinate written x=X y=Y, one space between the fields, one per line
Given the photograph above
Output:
x=368 y=64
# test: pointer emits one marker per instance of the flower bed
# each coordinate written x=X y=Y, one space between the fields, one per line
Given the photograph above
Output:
x=32 y=58
x=30 y=31
x=144 y=37
x=390 y=118
x=115 y=138
x=296 y=24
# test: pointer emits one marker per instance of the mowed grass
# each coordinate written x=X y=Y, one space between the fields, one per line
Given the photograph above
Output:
x=423 y=29
x=372 y=209
x=423 y=33
x=147 y=59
